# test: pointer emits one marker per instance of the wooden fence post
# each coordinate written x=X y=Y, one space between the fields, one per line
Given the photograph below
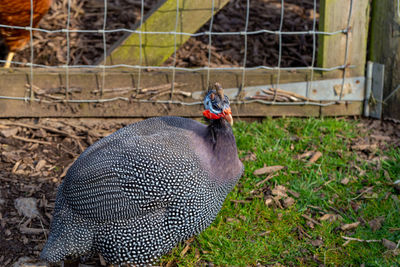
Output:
x=334 y=15
x=385 y=49
x=156 y=48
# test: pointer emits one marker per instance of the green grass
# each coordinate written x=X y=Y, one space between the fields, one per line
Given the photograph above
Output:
x=256 y=233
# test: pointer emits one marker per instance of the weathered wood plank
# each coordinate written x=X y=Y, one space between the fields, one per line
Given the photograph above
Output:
x=334 y=16
x=89 y=81
x=385 y=49
x=343 y=109
x=156 y=48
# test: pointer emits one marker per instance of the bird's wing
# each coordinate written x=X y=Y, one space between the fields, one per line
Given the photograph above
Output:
x=119 y=178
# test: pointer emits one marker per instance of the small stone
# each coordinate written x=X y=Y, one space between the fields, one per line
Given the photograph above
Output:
x=26 y=207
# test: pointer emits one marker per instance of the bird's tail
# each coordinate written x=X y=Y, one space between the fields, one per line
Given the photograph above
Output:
x=70 y=237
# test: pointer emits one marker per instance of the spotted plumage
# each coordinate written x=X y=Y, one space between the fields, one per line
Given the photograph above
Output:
x=135 y=194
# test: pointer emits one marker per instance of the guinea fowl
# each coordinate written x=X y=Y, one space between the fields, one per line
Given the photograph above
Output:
x=134 y=195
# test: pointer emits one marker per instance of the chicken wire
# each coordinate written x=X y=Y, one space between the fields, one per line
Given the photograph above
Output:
x=210 y=33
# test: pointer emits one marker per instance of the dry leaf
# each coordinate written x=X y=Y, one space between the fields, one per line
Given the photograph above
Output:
x=251 y=156
x=381 y=137
x=269 y=202
x=345 y=181
x=389 y=244
x=288 y=202
x=9 y=132
x=102 y=261
x=310 y=224
x=329 y=217
x=279 y=191
x=349 y=226
x=317 y=242
x=269 y=169
x=305 y=155
x=232 y=220
x=293 y=193
x=40 y=165
x=345 y=91
x=376 y=223
x=315 y=157
x=366 y=147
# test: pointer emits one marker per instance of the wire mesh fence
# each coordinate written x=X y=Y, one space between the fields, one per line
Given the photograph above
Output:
x=245 y=36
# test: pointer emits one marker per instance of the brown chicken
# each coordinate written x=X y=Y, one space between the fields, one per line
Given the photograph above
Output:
x=18 y=13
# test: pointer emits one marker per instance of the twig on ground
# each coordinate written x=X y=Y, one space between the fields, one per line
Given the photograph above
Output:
x=50 y=129
x=187 y=247
x=303 y=232
x=269 y=177
x=310 y=219
x=363 y=192
x=34 y=231
x=37 y=127
x=31 y=140
x=349 y=239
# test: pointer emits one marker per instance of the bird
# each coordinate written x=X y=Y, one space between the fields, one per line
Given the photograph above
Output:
x=134 y=195
x=18 y=13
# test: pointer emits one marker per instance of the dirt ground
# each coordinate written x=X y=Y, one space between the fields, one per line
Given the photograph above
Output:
x=263 y=49
x=35 y=155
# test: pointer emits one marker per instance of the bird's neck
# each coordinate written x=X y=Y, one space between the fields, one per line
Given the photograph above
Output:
x=219 y=133
x=224 y=161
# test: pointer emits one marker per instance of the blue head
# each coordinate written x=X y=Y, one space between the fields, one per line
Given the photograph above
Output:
x=216 y=105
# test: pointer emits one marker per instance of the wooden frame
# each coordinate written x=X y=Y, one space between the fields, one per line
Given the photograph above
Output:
x=334 y=15
x=157 y=48
x=89 y=81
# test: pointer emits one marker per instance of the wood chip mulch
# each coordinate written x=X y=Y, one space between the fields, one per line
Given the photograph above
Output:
x=263 y=49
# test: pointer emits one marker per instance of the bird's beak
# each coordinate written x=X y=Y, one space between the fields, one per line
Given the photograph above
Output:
x=229 y=118
x=228 y=115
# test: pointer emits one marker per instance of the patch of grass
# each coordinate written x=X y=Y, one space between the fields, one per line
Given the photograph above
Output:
x=253 y=233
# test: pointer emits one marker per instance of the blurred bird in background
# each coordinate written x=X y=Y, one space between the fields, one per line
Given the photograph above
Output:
x=18 y=13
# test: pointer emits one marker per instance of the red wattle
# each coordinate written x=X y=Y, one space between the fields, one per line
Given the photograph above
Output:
x=209 y=115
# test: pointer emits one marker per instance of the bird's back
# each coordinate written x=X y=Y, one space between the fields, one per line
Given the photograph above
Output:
x=136 y=167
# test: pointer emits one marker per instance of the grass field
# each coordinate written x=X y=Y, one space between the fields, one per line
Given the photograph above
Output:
x=336 y=182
